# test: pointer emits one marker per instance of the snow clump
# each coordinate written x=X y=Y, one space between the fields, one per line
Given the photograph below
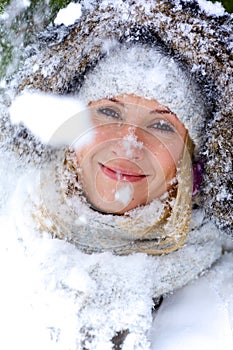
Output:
x=68 y=15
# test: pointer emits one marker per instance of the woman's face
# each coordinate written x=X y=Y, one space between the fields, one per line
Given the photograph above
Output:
x=132 y=155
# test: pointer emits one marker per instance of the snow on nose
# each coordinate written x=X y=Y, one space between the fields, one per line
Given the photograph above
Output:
x=129 y=146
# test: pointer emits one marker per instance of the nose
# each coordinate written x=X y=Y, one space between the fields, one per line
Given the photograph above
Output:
x=128 y=147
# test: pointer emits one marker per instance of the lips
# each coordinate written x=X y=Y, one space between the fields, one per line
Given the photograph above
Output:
x=118 y=174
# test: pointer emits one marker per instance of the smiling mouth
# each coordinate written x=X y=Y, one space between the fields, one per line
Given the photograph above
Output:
x=121 y=175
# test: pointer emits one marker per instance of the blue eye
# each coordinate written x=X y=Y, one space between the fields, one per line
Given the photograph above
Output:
x=109 y=112
x=163 y=126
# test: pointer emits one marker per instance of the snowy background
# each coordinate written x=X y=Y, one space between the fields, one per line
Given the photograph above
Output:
x=55 y=297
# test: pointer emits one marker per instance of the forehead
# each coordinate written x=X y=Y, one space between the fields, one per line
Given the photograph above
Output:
x=130 y=99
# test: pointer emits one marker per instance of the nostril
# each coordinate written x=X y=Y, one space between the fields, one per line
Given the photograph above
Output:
x=125 y=148
x=137 y=157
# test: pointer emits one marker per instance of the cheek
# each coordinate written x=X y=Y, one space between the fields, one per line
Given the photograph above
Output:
x=93 y=144
x=170 y=149
x=99 y=140
x=175 y=151
x=168 y=164
x=167 y=157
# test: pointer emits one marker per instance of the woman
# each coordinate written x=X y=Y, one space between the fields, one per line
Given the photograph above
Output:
x=126 y=163
x=125 y=186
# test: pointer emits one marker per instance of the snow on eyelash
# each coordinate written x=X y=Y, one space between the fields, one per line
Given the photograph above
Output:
x=164 y=126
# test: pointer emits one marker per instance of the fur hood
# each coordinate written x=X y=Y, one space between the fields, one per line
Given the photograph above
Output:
x=201 y=42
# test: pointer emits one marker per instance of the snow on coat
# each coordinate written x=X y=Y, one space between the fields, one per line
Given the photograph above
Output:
x=73 y=300
x=200 y=315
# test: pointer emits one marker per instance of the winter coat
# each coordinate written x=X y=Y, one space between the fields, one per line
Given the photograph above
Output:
x=199 y=315
x=135 y=301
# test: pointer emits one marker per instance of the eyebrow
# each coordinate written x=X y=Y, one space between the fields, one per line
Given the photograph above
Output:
x=113 y=99
x=162 y=111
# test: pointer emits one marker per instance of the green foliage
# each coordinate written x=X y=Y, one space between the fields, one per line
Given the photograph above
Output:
x=227 y=4
x=3 y=4
x=21 y=26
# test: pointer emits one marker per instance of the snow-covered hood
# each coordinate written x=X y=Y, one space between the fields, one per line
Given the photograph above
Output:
x=201 y=40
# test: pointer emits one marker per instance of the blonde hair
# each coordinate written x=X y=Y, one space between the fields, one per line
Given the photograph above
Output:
x=173 y=226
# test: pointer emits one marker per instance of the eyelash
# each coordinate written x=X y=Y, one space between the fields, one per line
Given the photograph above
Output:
x=163 y=126
x=109 y=112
